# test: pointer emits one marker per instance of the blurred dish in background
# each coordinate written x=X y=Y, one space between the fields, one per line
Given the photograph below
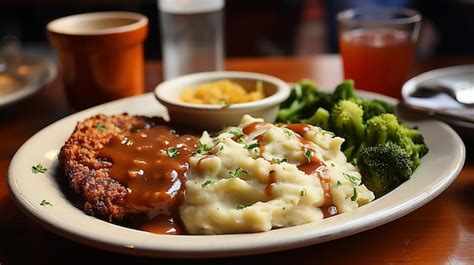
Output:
x=378 y=46
x=192 y=36
x=21 y=75
x=100 y=55
x=440 y=104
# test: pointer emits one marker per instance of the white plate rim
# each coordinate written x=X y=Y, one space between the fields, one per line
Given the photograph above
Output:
x=147 y=244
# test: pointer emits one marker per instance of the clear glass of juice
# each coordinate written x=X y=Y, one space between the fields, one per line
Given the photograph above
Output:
x=378 y=47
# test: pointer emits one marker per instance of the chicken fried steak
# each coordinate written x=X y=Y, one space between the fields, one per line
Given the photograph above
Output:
x=89 y=175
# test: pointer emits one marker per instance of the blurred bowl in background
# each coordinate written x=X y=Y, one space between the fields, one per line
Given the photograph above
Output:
x=21 y=75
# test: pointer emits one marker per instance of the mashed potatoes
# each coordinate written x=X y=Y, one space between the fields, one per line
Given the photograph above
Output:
x=260 y=176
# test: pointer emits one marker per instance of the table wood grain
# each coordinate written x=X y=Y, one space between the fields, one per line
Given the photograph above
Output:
x=441 y=232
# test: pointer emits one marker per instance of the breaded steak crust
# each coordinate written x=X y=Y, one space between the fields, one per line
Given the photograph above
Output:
x=99 y=194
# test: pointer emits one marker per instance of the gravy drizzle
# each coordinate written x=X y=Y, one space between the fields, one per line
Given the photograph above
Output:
x=153 y=164
x=271 y=183
x=249 y=128
x=314 y=165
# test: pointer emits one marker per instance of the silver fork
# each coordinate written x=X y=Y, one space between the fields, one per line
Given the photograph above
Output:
x=462 y=92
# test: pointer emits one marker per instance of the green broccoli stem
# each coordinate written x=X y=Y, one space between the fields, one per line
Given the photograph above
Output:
x=285 y=115
x=345 y=90
x=320 y=118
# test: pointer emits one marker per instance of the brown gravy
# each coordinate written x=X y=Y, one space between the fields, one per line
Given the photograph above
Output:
x=249 y=128
x=271 y=183
x=315 y=165
x=153 y=164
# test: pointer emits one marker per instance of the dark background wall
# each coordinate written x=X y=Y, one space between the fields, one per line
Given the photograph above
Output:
x=249 y=24
x=254 y=27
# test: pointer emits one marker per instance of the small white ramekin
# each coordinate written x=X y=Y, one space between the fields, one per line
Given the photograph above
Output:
x=216 y=117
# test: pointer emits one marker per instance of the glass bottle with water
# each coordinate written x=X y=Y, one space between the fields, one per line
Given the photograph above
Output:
x=192 y=36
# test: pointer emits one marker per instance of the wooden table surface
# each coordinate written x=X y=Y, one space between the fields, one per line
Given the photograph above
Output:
x=440 y=232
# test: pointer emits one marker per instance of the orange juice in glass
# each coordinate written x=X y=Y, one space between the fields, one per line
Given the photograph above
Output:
x=378 y=47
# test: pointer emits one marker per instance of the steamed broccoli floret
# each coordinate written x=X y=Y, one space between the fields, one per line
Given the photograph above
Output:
x=385 y=128
x=393 y=152
x=320 y=118
x=302 y=96
x=373 y=107
x=416 y=137
x=347 y=122
x=412 y=140
x=345 y=90
x=290 y=113
x=381 y=128
x=384 y=167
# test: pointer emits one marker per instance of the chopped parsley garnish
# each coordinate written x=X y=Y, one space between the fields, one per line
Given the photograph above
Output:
x=241 y=141
x=338 y=183
x=202 y=148
x=332 y=164
x=303 y=193
x=172 y=152
x=351 y=178
x=101 y=127
x=45 y=203
x=240 y=206
x=279 y=161
x=252 y=146
x=221 y=148
x=38 y=169
x=207 y=183
x=288 y=132
x=354 y=195
x=308 y=154
x=236 y=132
x=236 y=173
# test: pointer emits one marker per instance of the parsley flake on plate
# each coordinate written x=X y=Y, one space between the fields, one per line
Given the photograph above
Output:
x=38 y=169
x=45 y=203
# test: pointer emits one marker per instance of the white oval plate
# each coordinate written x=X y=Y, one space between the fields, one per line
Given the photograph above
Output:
x=437 y=170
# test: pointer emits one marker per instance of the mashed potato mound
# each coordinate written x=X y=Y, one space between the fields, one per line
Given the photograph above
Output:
x=260 y=176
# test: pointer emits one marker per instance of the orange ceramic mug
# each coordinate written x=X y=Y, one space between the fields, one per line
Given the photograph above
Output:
x=100 y=55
